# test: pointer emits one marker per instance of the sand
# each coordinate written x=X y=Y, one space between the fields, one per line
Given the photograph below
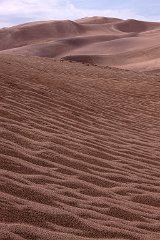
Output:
x=79 y=151
x=128 y=44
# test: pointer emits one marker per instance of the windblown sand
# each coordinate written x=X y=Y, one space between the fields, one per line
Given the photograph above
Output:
x=128 y=44
x=79 y=152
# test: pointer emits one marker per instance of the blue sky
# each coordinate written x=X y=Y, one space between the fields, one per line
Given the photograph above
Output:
x=13 y=12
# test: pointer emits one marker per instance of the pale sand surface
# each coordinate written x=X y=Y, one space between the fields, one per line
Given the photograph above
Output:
x=128 y=44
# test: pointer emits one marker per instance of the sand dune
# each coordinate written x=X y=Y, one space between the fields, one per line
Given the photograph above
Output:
x=107 y=41
x=136 y=26
x=98 y=20
x=36 y=32
x=79 y=154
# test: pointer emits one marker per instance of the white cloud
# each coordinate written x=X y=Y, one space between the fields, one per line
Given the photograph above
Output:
x=18 y=11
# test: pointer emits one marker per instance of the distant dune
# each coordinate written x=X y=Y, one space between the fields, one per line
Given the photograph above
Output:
x=129 y=44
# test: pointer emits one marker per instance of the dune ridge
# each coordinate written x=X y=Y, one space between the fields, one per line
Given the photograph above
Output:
x=79 y=154
x=100 y=38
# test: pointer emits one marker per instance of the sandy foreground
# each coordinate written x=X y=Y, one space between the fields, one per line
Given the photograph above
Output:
x=79 y=151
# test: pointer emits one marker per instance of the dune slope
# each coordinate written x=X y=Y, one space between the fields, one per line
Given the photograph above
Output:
x=103 y=41
x=79 y=152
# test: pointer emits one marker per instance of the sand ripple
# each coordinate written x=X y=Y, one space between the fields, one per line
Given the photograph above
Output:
x=79 y=152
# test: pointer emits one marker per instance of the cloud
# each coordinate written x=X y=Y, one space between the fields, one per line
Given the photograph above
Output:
x=18 y=11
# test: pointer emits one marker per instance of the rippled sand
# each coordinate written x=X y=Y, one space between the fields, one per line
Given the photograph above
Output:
x=79 y=152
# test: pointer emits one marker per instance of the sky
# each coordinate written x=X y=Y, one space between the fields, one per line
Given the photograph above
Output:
x=14 y=12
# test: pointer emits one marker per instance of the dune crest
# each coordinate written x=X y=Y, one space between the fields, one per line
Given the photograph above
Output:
x=136 y=26
x=97 y=20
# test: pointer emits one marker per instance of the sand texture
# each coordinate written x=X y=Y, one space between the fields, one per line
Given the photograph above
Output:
x=79 y=151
